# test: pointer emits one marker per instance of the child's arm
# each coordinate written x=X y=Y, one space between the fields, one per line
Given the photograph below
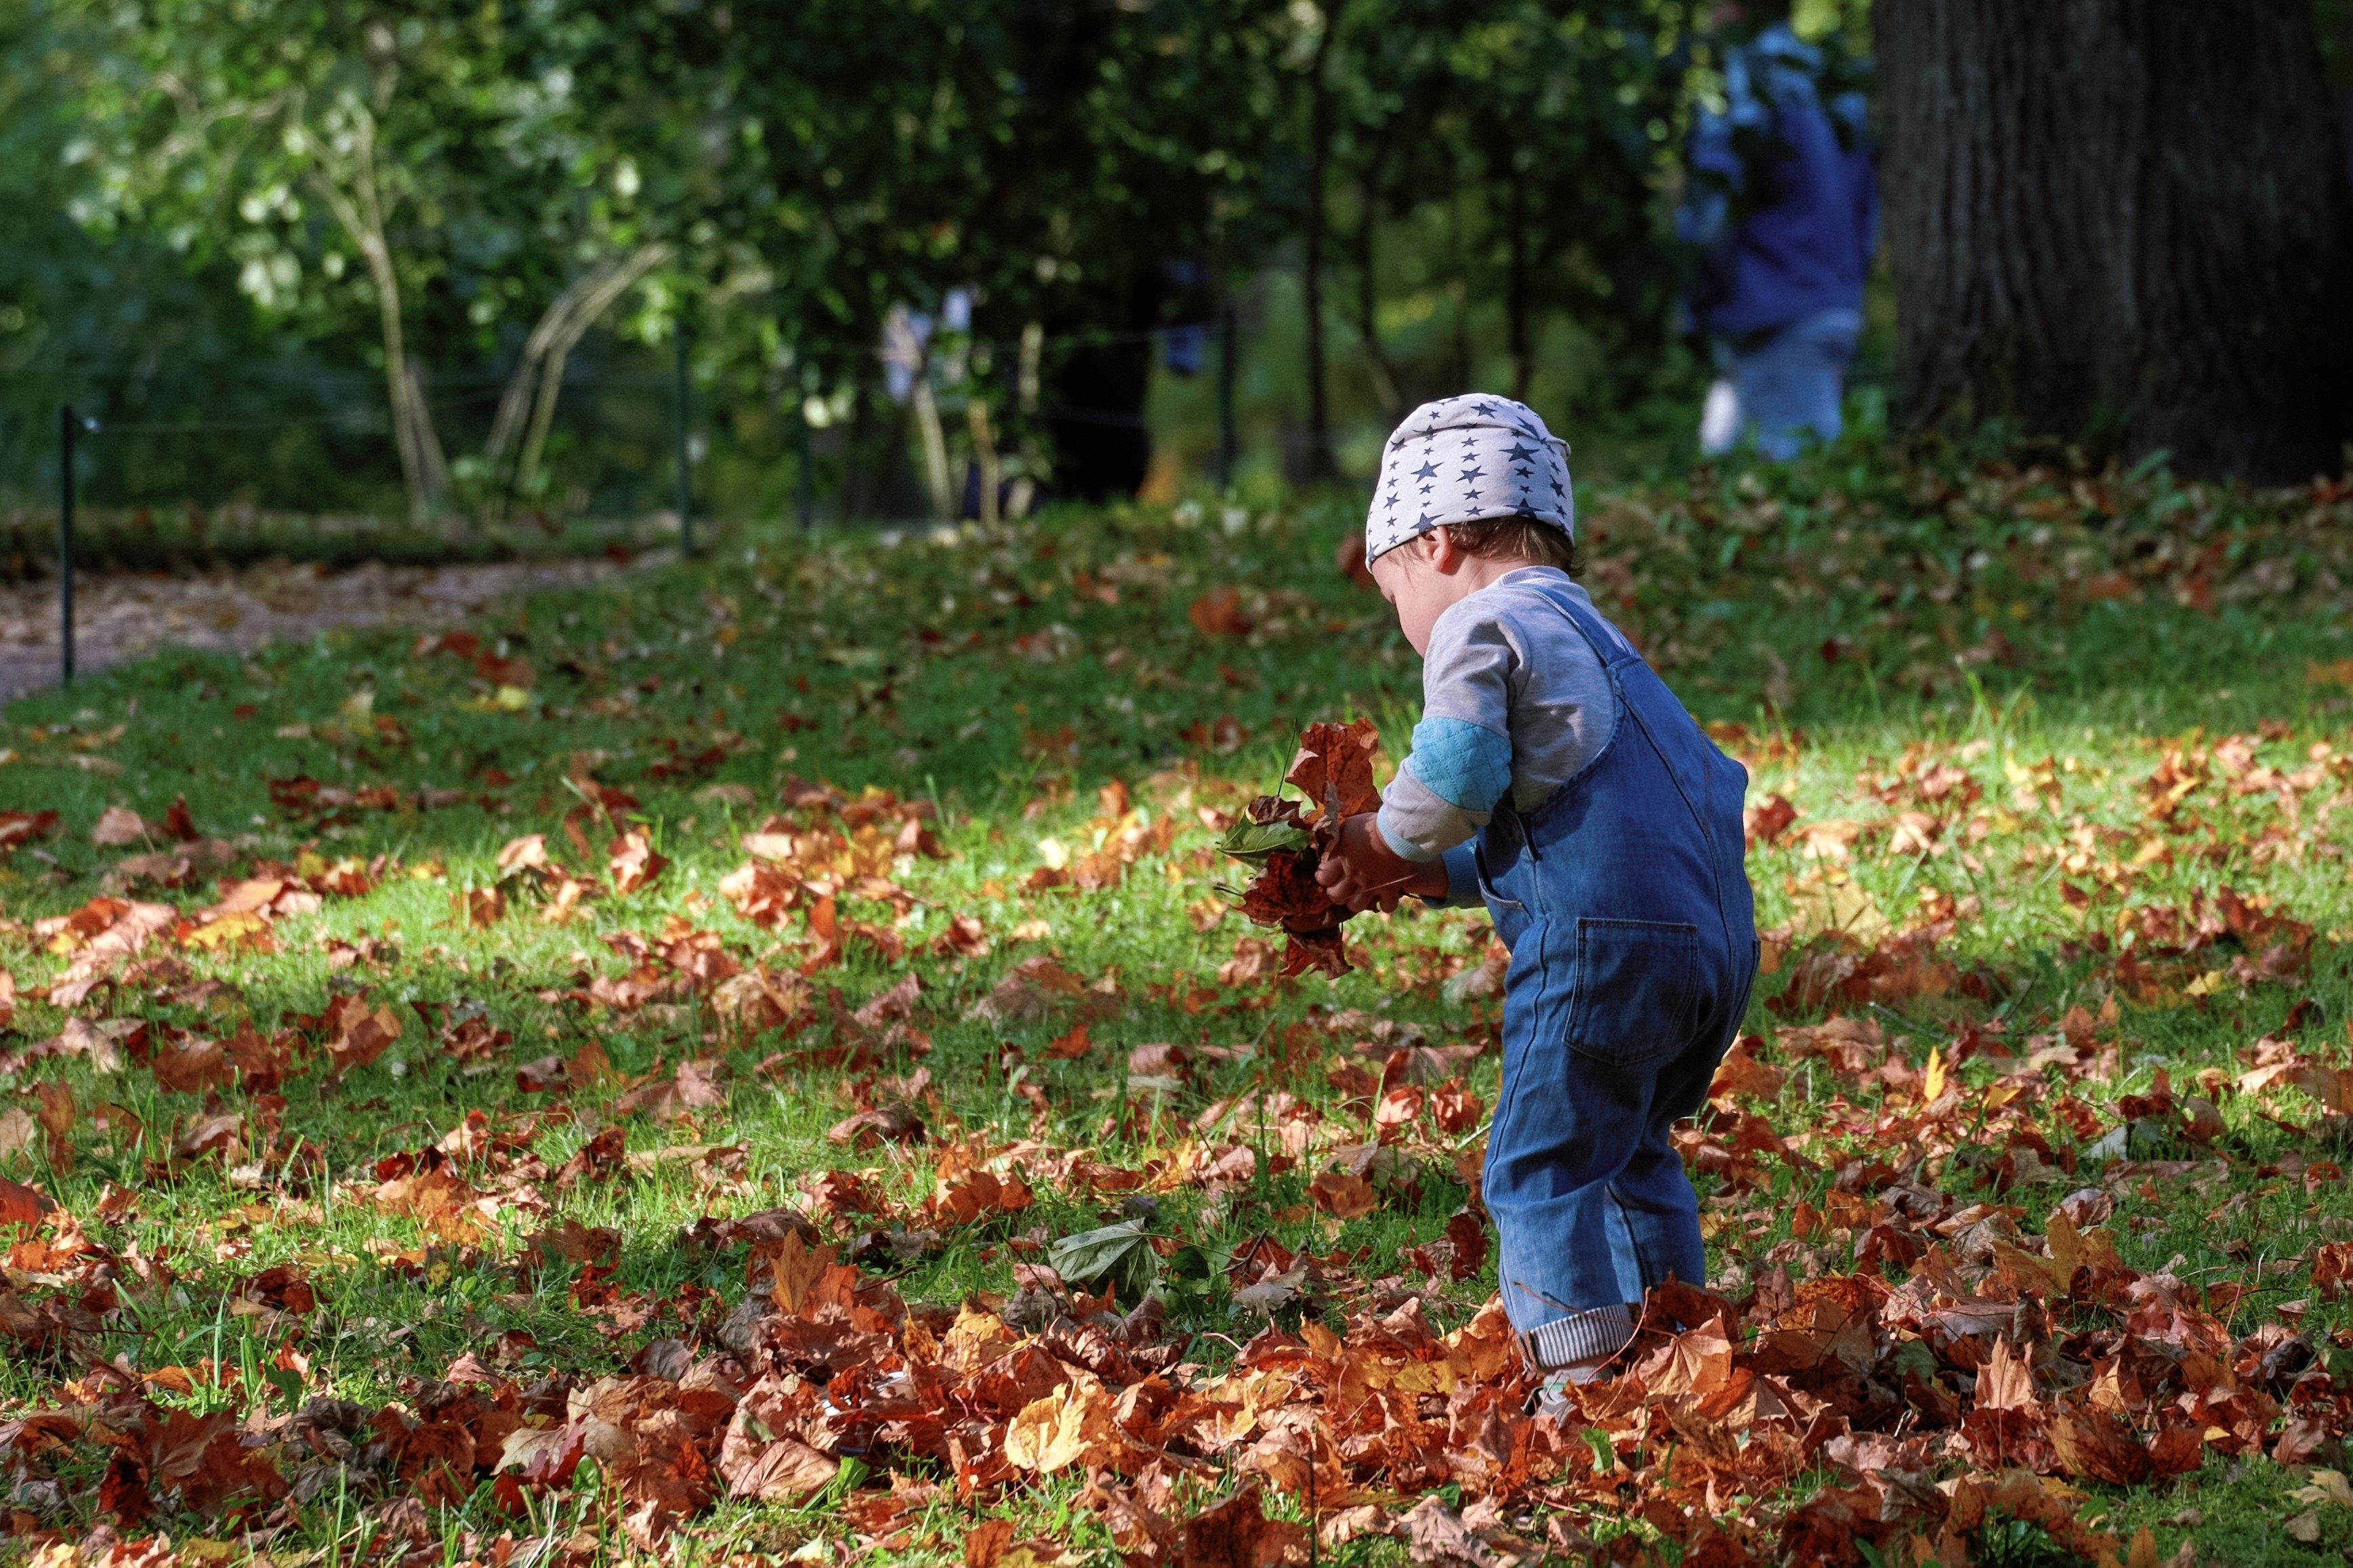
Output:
x=1363 y=872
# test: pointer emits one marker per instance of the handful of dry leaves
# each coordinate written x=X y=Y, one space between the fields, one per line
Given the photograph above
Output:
x=1284 y=843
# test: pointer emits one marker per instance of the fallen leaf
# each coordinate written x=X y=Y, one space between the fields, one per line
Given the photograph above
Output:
x=118 y=826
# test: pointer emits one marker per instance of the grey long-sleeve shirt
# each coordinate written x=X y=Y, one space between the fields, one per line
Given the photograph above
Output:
x=1514 y=701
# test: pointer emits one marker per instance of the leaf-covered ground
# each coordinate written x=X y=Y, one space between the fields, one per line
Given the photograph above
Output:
x=749 y=1062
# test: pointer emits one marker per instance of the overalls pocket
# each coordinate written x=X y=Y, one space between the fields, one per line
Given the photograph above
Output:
x=1487 y=881
x=1636 y=985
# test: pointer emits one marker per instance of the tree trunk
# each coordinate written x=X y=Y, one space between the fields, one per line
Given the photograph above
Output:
x=2123 y=224
x=1319 y=155
x=984 y=452
x=352 y=194
x=538 y=378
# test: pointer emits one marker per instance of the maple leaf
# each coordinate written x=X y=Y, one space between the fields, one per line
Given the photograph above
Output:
x=761 y=892
x=897 y=1002
x=106 y=932
x=1343 y=1195
x=1235 y=1534
x=356 y=1034
x=965 y=937
x=1027 y=993
x=479 y=907
x=1336 y=760
x=23 y=827
x=1334 y=767
x=118 y=826
x=280 y=1289
x=1694 y=1363
x=759 y=998
x=798 y=1273
x=528 y=853
x=572 y=1242
x=632 y=862
x=1219 y=614
x=785 y=1470
x=1454 y=1108
x=897 y=1123
x=22 y=1205
x=191 y=1065
x=694 y=1086
x=2093 y=1443
x=1072 y=1426
x=1764 y=822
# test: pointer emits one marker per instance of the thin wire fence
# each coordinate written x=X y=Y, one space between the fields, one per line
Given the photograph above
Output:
x=612 y=453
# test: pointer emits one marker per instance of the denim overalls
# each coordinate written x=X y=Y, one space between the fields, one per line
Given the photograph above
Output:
x=1625 y=903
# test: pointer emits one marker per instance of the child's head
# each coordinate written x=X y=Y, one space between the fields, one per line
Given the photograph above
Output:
x=1470 y=487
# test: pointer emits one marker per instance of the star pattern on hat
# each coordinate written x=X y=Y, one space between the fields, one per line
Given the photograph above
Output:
x=1506 y=463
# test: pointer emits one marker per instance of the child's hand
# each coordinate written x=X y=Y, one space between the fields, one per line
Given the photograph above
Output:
x=1361 y=872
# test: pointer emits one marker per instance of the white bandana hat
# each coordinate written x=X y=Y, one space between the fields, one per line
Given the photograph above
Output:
x=1468 y=459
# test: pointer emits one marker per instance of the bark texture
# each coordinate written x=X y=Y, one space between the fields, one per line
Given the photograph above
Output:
x=2122 y=222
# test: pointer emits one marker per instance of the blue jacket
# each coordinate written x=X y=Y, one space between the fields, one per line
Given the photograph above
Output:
x=1811 y=204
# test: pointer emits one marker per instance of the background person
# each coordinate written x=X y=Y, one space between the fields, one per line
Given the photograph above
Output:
x=1783 y=207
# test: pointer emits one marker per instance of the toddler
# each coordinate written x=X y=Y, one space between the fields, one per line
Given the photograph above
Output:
x=1554 y=776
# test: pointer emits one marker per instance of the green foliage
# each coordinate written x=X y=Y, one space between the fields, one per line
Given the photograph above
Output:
x=347 y=195
x=1118 y=1255
x=1252 y=842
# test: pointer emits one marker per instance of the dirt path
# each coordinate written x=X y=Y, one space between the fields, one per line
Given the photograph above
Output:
x=119 y=619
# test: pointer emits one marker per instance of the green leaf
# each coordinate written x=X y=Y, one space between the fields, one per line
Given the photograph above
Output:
x=1120 y=1253
x=1254 y=841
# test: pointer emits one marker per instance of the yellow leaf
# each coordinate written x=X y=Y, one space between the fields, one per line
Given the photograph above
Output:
x=1832 y=901
x=2327 y=1485
x=1932 y=1080
x=1057 y=1431
x=227 y=929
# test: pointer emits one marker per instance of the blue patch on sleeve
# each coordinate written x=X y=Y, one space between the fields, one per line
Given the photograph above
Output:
x=1464 y=764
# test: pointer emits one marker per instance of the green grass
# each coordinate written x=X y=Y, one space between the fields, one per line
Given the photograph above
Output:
x=1850 y=613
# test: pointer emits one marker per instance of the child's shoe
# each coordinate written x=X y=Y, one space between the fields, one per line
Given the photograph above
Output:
x=1552 y=1399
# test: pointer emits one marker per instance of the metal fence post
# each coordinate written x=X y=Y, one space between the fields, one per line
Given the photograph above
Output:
x=67 y=426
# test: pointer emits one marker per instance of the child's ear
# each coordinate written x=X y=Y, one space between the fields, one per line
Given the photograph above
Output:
x=1444 y=554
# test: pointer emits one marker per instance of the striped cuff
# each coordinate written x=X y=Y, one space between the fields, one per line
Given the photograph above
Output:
x=1579 y=1337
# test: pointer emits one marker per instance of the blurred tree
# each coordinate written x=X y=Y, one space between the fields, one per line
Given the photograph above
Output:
x=1554 y=126
x=1569 y=110
x=454 y=194
x=2157 y=256
x=124 y=327
x=444 y=146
